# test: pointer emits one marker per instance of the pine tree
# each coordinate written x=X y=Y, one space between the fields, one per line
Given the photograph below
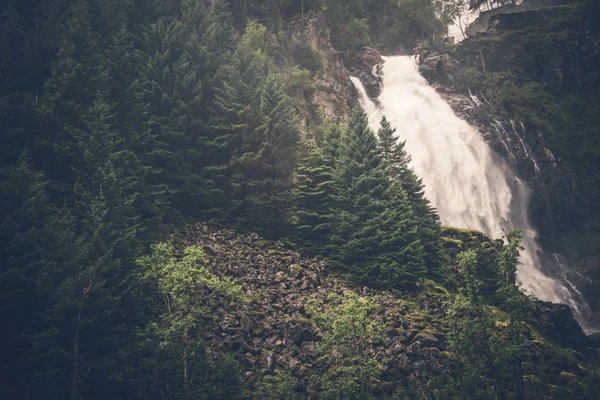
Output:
x=174 y=93
x=236 y=113
x=25 y=213
x=313 y=196
x=257 y=135
x=331 y=144
x=13 y=136
x=375 y=226
x=77 y=75
x=402 y=254
x=209 y=46
x=76 y=340
x=397 y=166
x=107 y=172
x=269 y=161
x=131 y=118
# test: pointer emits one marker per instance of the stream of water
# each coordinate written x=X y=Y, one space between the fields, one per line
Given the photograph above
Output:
x=470 y=186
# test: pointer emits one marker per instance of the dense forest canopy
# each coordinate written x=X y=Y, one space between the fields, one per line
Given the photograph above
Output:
x=123 y=121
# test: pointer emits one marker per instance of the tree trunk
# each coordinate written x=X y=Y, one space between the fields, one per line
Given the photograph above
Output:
x=75 y=368
x=75 y=372
x=185 y=363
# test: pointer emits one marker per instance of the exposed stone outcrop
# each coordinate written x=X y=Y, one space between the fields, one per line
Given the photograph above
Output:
x=559 y=325
x=484 y=21
x=365 y=65
x=331 y=97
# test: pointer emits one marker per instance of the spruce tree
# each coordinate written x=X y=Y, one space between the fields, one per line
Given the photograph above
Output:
x=14 y=111
x=313 y=194
x=375 y=227
x=174 y=93
x=256 y=132
x=236 y=113
x=397 y=166
x=26 y=210
x=331 y=144
x=130 y=115
x=80 y=285
x=269 y=161
x=77 y=75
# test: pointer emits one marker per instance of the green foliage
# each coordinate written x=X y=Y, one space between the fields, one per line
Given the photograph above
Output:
x=256 y=122
x=376 y=237
x=466 y=267
x=308 y=58
x=176 y=334
x=123 y=120
x=508 y=259
x=347 y=329
x=389 y=24
x=313 y=193
x=26 y=212
x=396 y=163
x=282 y=385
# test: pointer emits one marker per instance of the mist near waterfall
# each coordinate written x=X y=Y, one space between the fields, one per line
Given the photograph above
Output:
x=470 y=186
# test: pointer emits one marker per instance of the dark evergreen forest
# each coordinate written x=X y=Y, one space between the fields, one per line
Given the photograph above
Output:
x=123 y=121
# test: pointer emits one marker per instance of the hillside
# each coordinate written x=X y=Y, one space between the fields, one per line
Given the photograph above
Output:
x=193 y=204
x=304 y=332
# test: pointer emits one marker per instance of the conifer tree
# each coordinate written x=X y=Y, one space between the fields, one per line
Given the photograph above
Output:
x=25 y=213
x=77 y=75
x=174 y=94
x=131 y=118
x=14 y=118
x=269 y=160
x=236 y=113
x=76 y=340
x=313 y=196
x=258 y=135
x=331 y=144
x=375 y=227
x=397 y=165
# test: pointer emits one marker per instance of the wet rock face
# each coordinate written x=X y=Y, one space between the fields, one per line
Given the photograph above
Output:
x=332 y=96
x=558 y=324
x=567 y=65
x=365 y=65
x=560 y=199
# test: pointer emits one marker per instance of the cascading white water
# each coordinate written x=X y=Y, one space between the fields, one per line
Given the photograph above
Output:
x=464 y=180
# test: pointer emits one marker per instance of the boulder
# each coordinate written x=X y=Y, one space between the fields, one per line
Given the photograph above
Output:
x=558 y=324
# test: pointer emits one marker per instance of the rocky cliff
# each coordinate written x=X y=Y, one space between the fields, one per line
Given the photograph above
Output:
x=331 y=95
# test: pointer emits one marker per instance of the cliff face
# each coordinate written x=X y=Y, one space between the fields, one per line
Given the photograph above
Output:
x=331 y=95
x=530 y=82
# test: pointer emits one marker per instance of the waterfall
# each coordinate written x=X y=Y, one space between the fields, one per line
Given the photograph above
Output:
x=470 y=186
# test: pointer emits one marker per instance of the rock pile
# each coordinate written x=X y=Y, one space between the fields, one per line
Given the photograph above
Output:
x=274 y=331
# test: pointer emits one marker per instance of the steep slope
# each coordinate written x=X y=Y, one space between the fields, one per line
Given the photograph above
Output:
x=308 y=333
